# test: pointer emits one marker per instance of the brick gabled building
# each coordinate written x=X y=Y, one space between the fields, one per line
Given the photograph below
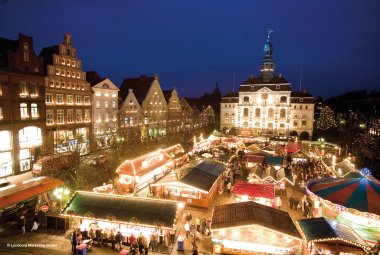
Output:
x=22 y=108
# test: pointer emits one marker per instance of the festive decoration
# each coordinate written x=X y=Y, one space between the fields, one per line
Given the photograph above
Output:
x=326 y=119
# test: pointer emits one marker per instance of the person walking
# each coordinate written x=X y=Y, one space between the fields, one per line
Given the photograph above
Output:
x=146 y=246
x=135 y=248
x=22 y=223
x=172 y=233
x=35 y=222
x=278 y=203
x=98 y=234
x=112 y=239
x=73 y=239
x=140 y=241
x=92 y=234
x=187 y=229
x=119 y=240
x=198 y=223
x=154 y=240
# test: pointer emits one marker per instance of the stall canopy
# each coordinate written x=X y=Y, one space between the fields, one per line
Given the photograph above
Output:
x=146 y=211
x=203 y=175
x=321 y=230
x=352 y=191
x=21 y=191
x=145 y=164
x=253 y=148
x=254 y=189
x=271 y=173
x=250 y=213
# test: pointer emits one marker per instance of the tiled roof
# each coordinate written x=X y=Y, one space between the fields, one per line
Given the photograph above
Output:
x=139 y=85
x=251 y=213
x=232 y=94
x=273 y=87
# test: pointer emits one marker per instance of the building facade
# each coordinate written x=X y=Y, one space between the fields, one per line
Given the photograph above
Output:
x=174 y=117
x=266 y=105
x=22 y=108
x=130 y=117
x=68 y=99
x=150 y=97
x=105 y=100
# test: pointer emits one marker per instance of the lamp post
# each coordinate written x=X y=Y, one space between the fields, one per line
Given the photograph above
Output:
x=61 y=194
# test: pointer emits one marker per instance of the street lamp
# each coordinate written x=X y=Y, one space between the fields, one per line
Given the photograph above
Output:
x=61 y=194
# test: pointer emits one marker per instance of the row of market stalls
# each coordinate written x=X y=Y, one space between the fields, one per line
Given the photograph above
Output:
x=129 y=215
x=196 y=183
x=252 y=228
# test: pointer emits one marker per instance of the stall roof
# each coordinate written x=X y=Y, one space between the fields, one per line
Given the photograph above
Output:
x=274 y=160
x=293 y=147
x=345 y=166
x=145 y=164
x=251 y=213
x=300 y=154
x=268 y=148
x=174 y=150
x=271 y=172
x=203 y=175
x=21 y=191
x=254 y=189
x=322 y=230
x=147 y=211
x=253 y=148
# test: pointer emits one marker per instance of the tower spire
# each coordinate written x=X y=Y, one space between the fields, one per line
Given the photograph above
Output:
x=267 y=64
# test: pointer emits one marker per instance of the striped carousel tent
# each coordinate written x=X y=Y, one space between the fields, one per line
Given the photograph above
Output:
x=353 y=191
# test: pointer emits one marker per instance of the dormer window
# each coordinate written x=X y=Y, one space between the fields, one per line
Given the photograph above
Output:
x=277 y=87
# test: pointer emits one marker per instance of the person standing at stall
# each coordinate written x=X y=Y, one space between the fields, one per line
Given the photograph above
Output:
x=146 y=246
x=73 y=239
x=135 y=247
x=22 y=223
x=112 y=239
x=198 y=223
x=98 y=234
x=119 y=240
x=35 y=222
x=140 y=241
x=154 y=240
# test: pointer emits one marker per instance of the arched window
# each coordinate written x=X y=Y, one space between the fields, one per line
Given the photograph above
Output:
x=246 y=99
x=264 y=96
x=270 y=125
x=282 y=113
x=246 y=112
x=257 y=113
x=30 y=136
x=270 y=113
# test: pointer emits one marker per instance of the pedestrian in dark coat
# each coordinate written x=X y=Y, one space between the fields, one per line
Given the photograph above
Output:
x=291 y=202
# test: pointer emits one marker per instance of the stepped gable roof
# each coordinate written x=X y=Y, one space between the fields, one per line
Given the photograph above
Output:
x=167 y=95
x=251 y=213
x=93 y=78
x=140 y=86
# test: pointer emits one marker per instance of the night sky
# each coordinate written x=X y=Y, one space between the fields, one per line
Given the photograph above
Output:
x=194 y=44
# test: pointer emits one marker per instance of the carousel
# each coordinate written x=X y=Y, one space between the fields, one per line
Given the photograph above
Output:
x=353 y=200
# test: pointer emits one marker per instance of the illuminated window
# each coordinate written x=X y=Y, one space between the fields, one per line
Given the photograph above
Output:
x=78 y=99
x=33 y=90
x=70 y=116
x=130 y=120
x=79 y=116
x=304 y=123
x=114 y=95
x=106 y=94
x=282 y=113
x=49 y=98
x=270 y=113
x=29 y=136
x=114 y=104
x=87 y=100
x=49 y=117
x=146 y=120
x=23 y=91
x=59 y=98
x=87 y=115
x=97 y=104
x=246 y=99
x=106 y=104
x=34 y=110
x=70 y=99
x=283 y=99
x=98 y=94
x=60 y=116
x=246 y=111
x=24 y=110
x=5 y=144
x=257 y=113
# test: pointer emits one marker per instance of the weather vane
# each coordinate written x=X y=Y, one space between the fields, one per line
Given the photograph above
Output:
x=269 y=31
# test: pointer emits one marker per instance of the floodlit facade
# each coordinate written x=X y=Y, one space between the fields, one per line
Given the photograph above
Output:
x=22 y=108
x=267 y=105
x=68 y=98
x=104 y=109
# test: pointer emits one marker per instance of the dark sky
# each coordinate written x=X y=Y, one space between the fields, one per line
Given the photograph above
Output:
x=194 y=44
